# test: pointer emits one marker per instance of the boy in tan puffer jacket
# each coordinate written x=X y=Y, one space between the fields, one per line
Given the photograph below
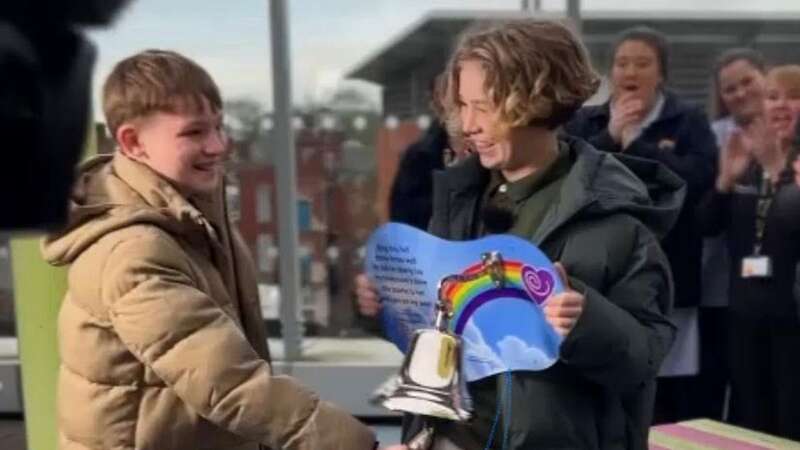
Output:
x=161 y=337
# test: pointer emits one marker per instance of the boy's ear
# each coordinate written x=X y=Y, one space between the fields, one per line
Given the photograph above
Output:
x=128 y=139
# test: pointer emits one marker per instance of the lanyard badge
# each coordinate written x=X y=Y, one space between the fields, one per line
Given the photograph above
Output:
x=758 y=265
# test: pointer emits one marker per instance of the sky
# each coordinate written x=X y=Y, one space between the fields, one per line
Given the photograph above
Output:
x=327 y=37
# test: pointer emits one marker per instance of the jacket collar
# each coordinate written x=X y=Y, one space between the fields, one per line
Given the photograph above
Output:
x=576 y=194
x=467 y=180
x=156 y=192
x=673 y=107
x=466 y=176
x=597 y=184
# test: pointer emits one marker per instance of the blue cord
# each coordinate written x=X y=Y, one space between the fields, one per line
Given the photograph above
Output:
x=491 y=431
x=507 y=414
x=507 y=421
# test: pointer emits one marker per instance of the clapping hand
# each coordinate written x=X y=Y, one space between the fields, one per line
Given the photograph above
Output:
x=734 y=159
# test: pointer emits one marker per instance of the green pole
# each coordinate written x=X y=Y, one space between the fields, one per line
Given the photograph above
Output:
x=38 y=290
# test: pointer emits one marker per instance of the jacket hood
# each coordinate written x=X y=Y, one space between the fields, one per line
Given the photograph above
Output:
x=602 y=183
x=598 y=184
x=113 y=192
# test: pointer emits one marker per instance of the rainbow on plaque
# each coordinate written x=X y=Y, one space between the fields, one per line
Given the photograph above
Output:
x=502 y=327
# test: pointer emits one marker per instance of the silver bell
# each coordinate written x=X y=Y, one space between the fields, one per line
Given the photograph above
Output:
x=430 y=377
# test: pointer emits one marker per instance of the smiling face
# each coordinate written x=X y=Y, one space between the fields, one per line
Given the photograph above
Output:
x=782 y=104
x=480 y=119
x=636 y=72
x=508 y=87
x=741 y=90
x=188 y=147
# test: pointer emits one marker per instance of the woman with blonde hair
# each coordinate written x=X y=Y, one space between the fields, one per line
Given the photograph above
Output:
x=758 y=206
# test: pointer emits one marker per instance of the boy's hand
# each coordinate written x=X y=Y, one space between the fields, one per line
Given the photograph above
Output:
x=563 y=310
x=367 y=296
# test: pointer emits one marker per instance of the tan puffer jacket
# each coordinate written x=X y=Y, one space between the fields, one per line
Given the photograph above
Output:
x=161 y=337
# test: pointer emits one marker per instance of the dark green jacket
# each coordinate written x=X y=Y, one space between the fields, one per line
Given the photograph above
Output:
x=605 y=231
x=681 y=139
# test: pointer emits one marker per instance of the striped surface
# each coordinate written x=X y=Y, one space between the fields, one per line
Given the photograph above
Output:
x=705 y=434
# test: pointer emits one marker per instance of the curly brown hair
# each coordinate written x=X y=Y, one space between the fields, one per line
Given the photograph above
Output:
x=537 y=72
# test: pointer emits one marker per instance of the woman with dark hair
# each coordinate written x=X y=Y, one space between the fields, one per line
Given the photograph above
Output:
x=644 y=119
x=737 y=87
x=759 y=207
x=737 y=99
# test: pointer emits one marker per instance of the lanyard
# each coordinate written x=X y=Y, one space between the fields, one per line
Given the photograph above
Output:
x=766 y=193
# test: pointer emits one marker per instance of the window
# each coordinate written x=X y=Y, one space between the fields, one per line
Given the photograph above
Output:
x=266 y=253
x=263 y=204
x=304 y=215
